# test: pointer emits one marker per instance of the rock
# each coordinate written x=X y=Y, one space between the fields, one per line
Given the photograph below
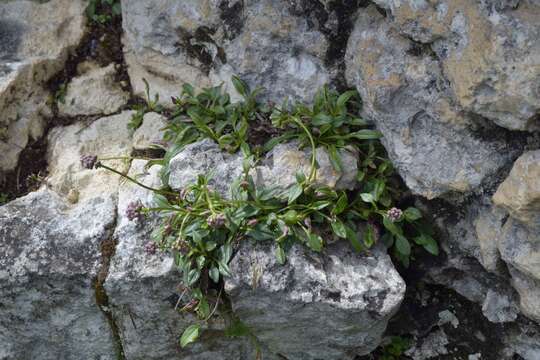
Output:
x=488 y=227
x=105 y=137
x=285 y=160
x=144 y=290
x=50 y=259
x=317 y=306
x=489 y=52
x=150 y=132
x=431 y=347
x=93 y=93
x=529 y=293
x=36 y=38
x=205 y=42
x=520 y=192
x=520 y=247
x=429 y=138
x=205 y=158
x=499 y=307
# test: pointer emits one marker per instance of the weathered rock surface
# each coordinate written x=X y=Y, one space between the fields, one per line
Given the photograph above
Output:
x=329 y=306
x=431 y=141
x=205 y=42
x=281 y=165
x=36 y=38
x=94 y=92
x=150 y=132
x=107 y=137
x=520 y=192
x=205 y=158
x=489 y=51
x=49 y=261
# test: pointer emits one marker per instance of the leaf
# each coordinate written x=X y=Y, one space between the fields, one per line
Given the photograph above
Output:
x=193 y=276
x=341 y=204
x=240 y=86
x=402 y=245
x=412 y=214
x=321 y=119
x=369 y=236
x=117 y=9
x=161 y=201
x=365 y=134
x=203 y=309
x=214 y=274
x=224 y=268
x=339 y=228
x=367 y=197
x=344 y=98
x=294 y=192
x=357 y=122
x=392 y=227
x=237 y=329
x=335 y=159
x=428 y=243
x=315 y=242
x=190 y=335
x=225 y=253
x=280 y=255
x=261 y=232
x=388 y=240
x=354 y=239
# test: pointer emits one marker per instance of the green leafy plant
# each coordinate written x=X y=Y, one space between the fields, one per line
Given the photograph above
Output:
x=395 y=349
x=60 y=94
x=202 y=228
x=103 y=11
x=149 y=105
x=3 y=198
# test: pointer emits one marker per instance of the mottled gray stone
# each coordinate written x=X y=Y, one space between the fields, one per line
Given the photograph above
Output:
x=520 y=247
x=432 y=346
x=205 y=42
x=94 y=92
x=281 y=165
x=150 y=132
x=428 y=137
x=35 y=39
x=205 y=158
x=529 y=293
x=499 y=307
x=332 y=305
x=50 y=258
x=489 y=51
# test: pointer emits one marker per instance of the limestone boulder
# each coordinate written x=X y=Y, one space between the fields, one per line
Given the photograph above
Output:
x=35 y=42
x=266 y=43
x=333 y=305
x=489 y=52
x=95 y=92
x=49 y=264
x=436 y=147
x=150 y=132
x=520 y=191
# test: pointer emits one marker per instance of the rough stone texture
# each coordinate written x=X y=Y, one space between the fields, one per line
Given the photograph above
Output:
x=94 y=92
x=144 y=289
x=205 y=158
x=285 y=160
x=205 y=42
x=433 y=346
x=35 y=40
x=520 y=247
x=489 y=51
x=428 y=136
x=150 y=132
x=488 y=227
x=49 y=259
x=520 y=192
x=330 y=306
x=529 y=293
x=105 y=137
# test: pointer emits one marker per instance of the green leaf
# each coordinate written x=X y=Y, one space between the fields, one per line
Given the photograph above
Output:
x=402 y=245
x=261 y=232
x=280 y=255
x=388 y=240
x=315 y=242
x=294 y=192
x=203 y=309
x=367 y=197
x=341 y=204
x=344 y=98
x=339 y=228
x=369 y=236
x=357 y=122
x=428 y=243
x=354 y=239
x=193 y=276
x=190 y=335
x=225 y=253
x=240 y=86
x=335 y=158
x=365 y=134
x=391 y=226
x=214 y=274
x=412 y=214
x=321 y=119
x=224 y=268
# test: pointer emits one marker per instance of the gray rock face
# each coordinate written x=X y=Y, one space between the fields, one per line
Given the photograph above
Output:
x=51 y=256
x=94 y=92
x=205 y=158
x=205 y=42
x=281 y=165
x=489 y=52
x=150 y=132
x=35 y=40
x=427 y=135
x=330 y=306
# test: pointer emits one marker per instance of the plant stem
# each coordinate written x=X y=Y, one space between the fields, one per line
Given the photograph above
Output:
x=312 y=174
